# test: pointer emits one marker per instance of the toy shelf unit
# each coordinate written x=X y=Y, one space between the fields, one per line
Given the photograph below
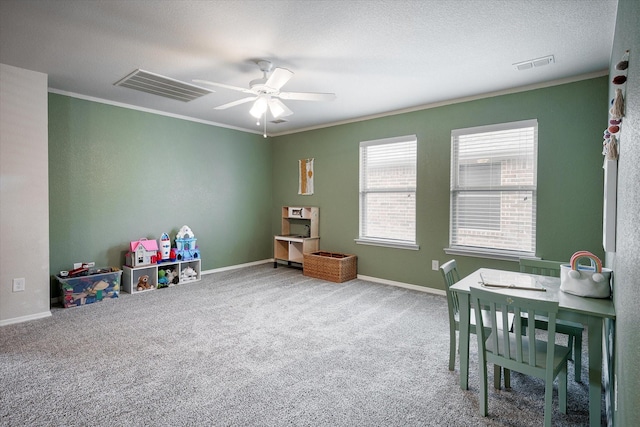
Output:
x=299 y=234
x=131 y=275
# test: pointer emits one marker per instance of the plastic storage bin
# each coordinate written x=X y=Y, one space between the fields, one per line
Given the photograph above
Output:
x=98 y=285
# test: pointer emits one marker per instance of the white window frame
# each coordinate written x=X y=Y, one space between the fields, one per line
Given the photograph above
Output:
x=367 y=188
x=483 y=246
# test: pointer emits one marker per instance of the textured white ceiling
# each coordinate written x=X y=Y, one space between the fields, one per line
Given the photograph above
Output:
x=378 y=56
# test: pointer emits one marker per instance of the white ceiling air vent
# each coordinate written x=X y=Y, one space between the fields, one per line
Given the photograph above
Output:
x=156 y=84
x=278 y=121
x=534 y=63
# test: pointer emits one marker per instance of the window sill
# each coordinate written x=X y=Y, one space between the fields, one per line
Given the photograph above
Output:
x=387 y=244
x=488 y=253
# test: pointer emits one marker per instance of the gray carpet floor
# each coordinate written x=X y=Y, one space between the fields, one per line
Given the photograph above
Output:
x=256 y=346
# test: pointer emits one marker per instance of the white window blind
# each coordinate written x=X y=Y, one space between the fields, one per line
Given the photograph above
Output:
x=388 y=191
x=493 y=188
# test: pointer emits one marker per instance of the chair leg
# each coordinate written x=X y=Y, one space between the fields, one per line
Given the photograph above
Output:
x=570 y=345
x=483 y=404
x=548 y=400
x=497 y=377
x=577 y=357
x=562 y=389
x=452 y=349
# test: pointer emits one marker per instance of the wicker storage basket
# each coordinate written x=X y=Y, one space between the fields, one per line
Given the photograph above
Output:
x=335 y=267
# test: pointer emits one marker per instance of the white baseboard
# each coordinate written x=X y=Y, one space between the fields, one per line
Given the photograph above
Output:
x=402 y=285
x=25 y=318
x=237 y=266
x=360 y=276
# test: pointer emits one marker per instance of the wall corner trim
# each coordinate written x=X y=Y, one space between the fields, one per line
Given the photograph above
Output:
x=22 y=319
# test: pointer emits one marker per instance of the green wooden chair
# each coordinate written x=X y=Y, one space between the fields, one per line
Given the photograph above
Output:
x=572 y=329
x=518 y=352
x=450 y=274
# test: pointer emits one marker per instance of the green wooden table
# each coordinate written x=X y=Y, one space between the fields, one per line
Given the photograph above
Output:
x=591 y=312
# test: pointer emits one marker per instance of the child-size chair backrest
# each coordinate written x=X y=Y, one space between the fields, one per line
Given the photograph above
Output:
x=542 y=267
x=510 y=347
x=450 y=274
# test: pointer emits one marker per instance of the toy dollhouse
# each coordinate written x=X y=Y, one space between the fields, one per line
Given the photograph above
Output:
x=142 y=252
x=186 y=248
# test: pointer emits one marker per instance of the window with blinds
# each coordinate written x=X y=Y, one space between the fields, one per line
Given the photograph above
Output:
x=388 y=192
x=493 y=188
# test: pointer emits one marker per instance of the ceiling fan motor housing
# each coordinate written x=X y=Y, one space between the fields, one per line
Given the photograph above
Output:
x=265 y=66
x=258 y=85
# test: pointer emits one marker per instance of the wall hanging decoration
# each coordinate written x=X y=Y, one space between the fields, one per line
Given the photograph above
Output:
x=611 y=150
x=305 y=181
x=624 y=64
x=617 y=110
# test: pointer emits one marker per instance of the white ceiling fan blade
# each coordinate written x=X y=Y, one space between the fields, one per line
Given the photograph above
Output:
x=234 y=103
x=278 y=78
x=307 y=96
x=236 y=88
x=278 y=109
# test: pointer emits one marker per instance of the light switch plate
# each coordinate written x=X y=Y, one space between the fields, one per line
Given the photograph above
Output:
x=18 y=284
x=435 y=265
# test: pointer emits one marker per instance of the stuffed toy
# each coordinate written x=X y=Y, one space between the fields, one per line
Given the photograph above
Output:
x=188 y=274
x=162 y=279
x=143 y=283
x=172 y=277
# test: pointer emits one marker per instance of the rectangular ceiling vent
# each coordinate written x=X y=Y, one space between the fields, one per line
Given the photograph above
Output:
x=278 y=121
x=534 y=63
x=156 y=84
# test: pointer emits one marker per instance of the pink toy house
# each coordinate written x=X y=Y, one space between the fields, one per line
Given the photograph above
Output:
x=142 y=252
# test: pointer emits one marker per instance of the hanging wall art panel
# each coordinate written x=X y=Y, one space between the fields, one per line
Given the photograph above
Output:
x=305 y=182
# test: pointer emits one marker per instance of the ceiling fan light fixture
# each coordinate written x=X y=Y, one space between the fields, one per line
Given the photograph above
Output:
x=278 y=109
x=259 y=107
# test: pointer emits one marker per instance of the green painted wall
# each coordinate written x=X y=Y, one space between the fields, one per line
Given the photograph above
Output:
x=570 y=181
x=118 y=174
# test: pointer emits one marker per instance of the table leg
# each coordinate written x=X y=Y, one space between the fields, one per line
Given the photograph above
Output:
x=463 y=303
x=594 y=328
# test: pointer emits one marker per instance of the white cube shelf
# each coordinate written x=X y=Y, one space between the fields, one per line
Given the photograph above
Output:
x=131 y=275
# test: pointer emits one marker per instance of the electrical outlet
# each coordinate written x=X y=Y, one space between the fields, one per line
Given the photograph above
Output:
x=435 y=265
x=18 y=284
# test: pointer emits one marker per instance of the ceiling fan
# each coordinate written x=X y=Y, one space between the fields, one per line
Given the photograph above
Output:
x=267 y=94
